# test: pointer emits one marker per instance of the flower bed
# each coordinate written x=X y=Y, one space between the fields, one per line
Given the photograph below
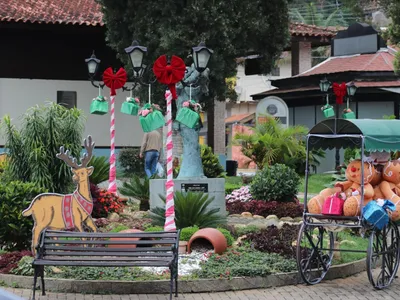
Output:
x=263 y=208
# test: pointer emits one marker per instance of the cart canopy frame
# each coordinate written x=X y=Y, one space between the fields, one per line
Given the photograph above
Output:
x=378 y=135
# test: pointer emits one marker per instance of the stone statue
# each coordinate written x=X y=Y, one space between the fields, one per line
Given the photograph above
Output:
x=191 y=165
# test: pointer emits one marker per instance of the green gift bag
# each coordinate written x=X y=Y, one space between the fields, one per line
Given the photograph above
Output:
x=349 y=115
x=328 y=111
x=99 y=106
x=158 y=120
x=188 y=117
x=130 y=107
x=145 y=123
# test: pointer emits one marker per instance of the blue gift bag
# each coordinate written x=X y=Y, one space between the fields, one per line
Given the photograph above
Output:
x=377 y=215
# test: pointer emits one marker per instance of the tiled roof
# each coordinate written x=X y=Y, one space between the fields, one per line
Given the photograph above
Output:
x=394 y=83
x=238 y=118
x=89 y=12
x=75 y=12
x=377 y=62
x=288 y=90
x=300 y=29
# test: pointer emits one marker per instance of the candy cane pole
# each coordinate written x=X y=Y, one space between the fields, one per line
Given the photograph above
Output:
x=112 y=185
x=169 y=185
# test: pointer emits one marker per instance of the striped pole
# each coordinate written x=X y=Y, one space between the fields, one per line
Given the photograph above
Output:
x=169 y=185
x=112 y=180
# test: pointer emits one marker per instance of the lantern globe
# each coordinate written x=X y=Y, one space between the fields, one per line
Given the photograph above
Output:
x=136 y=54
x=92 y=64
x=201 y=56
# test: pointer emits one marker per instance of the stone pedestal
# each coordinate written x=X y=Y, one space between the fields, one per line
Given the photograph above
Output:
x=214 y=187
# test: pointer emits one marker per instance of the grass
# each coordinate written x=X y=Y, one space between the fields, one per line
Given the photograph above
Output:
x=316 y=183
x=234 y=180
x=351 y=242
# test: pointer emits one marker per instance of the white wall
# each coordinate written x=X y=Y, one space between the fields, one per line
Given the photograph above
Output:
x=17 y=95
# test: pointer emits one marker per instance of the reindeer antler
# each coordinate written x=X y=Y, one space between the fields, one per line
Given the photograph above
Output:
x=64 y=155
x=89 y=146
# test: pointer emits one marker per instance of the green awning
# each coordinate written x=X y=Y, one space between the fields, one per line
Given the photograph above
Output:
x=379 y=135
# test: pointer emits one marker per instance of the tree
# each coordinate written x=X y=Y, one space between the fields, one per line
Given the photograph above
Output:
x=32 y=149
x=231 y=28
x=393 y=32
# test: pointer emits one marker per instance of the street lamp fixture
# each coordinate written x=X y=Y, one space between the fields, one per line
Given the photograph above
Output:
x=92 y=65
x=136 y=53
x=201 y=56
x=351 y=89
x=324 y=85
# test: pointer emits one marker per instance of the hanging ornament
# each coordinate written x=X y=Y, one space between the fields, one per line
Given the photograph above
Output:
x=188 y=115
x=340 y=91
x=169 y=73
x=99 y=105
x=131 y=105
x=347 y=112
x=327 y=109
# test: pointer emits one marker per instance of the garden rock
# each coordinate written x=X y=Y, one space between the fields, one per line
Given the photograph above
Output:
x=113 y=217
x=246 y=214
x=258 y=223
x=56 y=270
x=139 y=214
x=258 y=217
x=271 y=222
x=272 y=217
x=235 y=215
x=287 y=219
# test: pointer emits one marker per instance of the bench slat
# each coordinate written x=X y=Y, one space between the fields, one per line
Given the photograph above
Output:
x=120 y=242
x=43 y=262
x=63 y=234
x=103 y=253
x=100 y=249
x=107 y=258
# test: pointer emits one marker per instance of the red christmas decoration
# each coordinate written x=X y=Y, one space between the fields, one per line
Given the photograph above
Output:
x=340 y=91
x=114 y=81
x=171 y=73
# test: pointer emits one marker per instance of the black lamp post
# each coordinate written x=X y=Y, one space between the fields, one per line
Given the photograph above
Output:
x=351 y=89
x=93 y=66
x=201 y=56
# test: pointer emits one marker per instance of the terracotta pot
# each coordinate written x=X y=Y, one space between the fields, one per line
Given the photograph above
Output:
x=126 y=239
x=213 y=236
x=183 y=247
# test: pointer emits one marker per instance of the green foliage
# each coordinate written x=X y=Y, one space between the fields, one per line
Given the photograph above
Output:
x=211 y=166
x=240 y=231
x=32 y=149
x=187 y=232
x=191 y=209
x=138 y=188
x=271 y=143
x=129 y=159
x=276 y=183
x=230 y=187
x=230 y=28
x=393 y=31
x=119 y=228
x=16 y=230
x=245 y=262
x=24 y=267
x=154 y=229
x=227 y=235
x=351 y=154
x=101 y=169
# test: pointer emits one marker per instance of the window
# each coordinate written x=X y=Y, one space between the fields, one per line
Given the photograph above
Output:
x=66 y=98
x=276 y=71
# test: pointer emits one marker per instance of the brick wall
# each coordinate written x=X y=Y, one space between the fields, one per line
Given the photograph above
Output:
x=301 y=57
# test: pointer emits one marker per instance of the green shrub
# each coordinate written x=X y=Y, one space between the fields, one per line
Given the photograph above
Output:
x=24 y=267
x=191 y=209
x=32 y=149
x=227 y=235
x=138 y=188
x=16 y=230
x=129 y=159
x=154 y=229
x=119 y=228
x=275 y=183
x=101 y=169
x=211 y=166
x=187 y=232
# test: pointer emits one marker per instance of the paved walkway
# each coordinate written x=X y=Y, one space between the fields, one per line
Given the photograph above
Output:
x=355 y=288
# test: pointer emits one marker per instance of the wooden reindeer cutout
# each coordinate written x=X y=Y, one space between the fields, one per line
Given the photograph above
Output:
x=56 y=211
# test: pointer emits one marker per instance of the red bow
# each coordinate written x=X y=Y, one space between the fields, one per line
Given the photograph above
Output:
x=114 y=81
x=340 y=91
x=169 y=73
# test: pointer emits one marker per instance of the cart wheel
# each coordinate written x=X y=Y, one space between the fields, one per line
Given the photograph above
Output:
x=383 y=256
x=314 y=253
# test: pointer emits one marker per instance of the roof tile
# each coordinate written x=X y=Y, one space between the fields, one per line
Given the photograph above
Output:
x=377 y=62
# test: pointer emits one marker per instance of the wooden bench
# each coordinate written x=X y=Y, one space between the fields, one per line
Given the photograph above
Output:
x=94 y=249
